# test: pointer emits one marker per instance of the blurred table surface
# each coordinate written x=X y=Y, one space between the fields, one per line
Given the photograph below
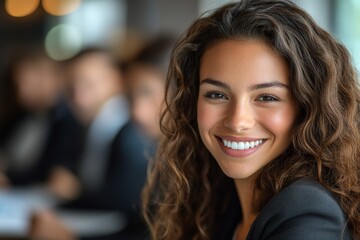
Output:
x=17 y=206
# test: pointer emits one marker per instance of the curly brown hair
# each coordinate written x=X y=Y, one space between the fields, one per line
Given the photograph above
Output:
x=186 y=189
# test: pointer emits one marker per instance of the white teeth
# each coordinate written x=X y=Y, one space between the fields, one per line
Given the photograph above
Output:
x=241 y=145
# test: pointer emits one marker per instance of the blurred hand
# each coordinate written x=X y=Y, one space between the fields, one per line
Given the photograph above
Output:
x=64 y=183
x=45 y=225
x=4 y=181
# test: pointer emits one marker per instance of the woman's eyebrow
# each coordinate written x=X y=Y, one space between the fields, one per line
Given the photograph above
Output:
x=215 y=82
x=251 y=88
x=268 y=85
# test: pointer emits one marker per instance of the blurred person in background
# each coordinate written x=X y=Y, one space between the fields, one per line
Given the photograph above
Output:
x=112 y=168
x=33 y=139
x=145 y=78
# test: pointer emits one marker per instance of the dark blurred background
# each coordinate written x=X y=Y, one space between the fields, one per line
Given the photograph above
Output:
x=66 y=26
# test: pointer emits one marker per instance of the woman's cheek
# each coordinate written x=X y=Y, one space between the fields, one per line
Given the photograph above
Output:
x=278 y=120
x=209 y=116
x=204 y=115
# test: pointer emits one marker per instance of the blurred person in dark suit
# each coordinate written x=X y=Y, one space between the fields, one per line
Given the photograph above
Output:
x=112 y=168
x=34 y=138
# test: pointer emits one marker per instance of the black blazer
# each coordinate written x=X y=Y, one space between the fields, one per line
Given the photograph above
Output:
x=304 y=210
x=61 y=147
x=121 y=187
x=125 y=176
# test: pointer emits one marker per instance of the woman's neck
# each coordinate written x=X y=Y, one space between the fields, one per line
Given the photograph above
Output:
x=245 y=190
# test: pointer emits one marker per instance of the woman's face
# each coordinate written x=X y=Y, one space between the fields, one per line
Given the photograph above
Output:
x=245 y=107
x=147 y=90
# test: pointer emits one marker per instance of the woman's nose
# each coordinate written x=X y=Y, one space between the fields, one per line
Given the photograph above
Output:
x=240 y=117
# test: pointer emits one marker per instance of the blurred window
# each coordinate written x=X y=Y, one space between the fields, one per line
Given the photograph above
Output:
x=347 y=26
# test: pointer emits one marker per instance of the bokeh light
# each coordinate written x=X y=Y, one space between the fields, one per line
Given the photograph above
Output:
x=63 y=42
x=60 y=7
x=21 y=8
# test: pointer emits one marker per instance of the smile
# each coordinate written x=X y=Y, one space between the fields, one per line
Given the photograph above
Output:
x=241 y=145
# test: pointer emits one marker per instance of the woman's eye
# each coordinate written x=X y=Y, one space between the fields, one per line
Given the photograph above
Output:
x=215 y=95
x=267 y=98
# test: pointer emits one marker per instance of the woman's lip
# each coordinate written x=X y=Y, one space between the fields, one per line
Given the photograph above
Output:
x=239 y=153
x=240 y=139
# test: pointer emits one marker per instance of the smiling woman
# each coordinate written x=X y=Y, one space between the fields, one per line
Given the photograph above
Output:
x=262 y=131
x=245 y=108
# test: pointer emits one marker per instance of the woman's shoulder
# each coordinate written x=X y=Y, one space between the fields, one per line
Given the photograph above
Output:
x=303 y=210
x=302 y=195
